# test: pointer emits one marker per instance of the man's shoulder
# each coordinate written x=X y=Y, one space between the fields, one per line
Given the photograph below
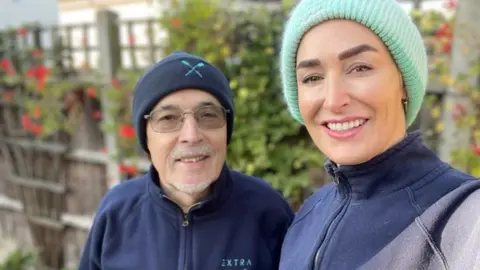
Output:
x=122 y=198
x=257 y=191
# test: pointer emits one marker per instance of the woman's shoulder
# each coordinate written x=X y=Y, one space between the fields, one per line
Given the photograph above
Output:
x=457 y=210
x=458 y=228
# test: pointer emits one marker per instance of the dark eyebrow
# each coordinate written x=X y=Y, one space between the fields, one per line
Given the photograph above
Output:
x=355 y=51
x=206 y=103
x=166 y=107
x=309 y=63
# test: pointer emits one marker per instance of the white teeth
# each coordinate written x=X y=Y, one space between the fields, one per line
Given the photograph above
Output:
x=346 y=125
x=192 y=159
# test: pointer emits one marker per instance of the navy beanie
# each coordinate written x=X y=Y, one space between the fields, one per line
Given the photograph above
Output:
x=178 y=71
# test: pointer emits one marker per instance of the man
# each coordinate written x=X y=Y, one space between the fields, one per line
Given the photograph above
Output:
x=190 y=211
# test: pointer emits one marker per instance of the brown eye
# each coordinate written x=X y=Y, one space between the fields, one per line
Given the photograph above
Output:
x=361 y=68
x=210 y=117
x=168 y=117
x=209 y=112
x=311 y=79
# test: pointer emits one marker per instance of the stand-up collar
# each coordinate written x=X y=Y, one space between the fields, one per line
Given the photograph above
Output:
x=403 y=164
x=219 y=193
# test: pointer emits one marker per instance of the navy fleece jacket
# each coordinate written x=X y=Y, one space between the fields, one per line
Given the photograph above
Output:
x=405 y=209
x=241 y=225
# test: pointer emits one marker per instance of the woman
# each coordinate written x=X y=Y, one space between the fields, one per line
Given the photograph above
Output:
x=354 y=73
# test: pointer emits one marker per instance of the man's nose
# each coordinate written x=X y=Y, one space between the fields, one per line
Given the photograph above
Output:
x=190 y=132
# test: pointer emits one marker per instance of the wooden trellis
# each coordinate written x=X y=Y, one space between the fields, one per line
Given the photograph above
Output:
x=37 y=173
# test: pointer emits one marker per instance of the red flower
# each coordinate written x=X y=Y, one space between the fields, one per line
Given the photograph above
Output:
x=450 y=4
x=115 y=82
x=37 y=53
x=460 y=108
x=131 y=40
x=128 y=169
x=97 y=114
x=36 y=129
x=176 y=22
x=92 y=92
x=7 y=66
x=127 y=132
x=26 y=122
x=8 y=95
x=445 y=31
x=459 y=111
x=40 y=73
x=41 y=84
x=447 y=47
x=22 y=31
x=37 y=113
x=476 y=149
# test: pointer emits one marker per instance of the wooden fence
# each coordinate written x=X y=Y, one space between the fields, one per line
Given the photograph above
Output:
x=49 y=191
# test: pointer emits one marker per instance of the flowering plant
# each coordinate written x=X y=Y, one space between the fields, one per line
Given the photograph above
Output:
x=438 y=32
x=120 y=93
x=51 y=100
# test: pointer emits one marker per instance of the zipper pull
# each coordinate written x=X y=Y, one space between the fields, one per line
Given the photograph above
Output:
x=336 y=179
x=185 y=222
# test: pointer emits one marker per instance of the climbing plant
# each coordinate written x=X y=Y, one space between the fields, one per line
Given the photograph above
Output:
x=438 y=31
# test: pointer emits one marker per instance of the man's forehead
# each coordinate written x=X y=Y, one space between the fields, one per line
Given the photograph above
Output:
x=175 y=106
x=189 y=99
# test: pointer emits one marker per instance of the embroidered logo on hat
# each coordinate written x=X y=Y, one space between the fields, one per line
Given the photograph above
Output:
x=193 y=68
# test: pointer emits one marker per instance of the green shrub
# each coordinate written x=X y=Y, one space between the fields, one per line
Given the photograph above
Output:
x=19 y=260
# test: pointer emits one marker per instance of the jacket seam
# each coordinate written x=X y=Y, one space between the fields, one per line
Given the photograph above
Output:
x=431 y=175
x=424 y=230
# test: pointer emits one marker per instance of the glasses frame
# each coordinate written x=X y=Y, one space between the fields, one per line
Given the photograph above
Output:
x=192 y=112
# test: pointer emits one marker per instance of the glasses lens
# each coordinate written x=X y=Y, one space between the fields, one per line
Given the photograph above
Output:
x=210 y=117
x=207 y=117
x=166 y=121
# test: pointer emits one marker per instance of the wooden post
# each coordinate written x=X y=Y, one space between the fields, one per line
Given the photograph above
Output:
x=110 y=61
x=466 y=38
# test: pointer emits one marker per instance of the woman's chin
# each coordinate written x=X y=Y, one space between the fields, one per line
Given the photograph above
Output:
x=348 y=156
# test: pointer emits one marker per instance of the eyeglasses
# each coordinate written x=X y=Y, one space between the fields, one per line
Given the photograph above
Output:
x=171 y=119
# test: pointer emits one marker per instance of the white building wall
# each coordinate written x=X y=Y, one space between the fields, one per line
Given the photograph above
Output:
x=126 y=12
x=15 y=13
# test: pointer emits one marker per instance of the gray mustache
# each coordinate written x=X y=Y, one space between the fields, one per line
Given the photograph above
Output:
x=201 y=150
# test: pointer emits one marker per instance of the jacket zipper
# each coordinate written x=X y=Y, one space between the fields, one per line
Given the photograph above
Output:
x=186 y=225
x=315 y=262
x=185 y=222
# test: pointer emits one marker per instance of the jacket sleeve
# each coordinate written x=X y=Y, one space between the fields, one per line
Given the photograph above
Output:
x=92 y=250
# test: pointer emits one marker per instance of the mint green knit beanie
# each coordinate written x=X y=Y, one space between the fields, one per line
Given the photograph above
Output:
x=386 y=18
